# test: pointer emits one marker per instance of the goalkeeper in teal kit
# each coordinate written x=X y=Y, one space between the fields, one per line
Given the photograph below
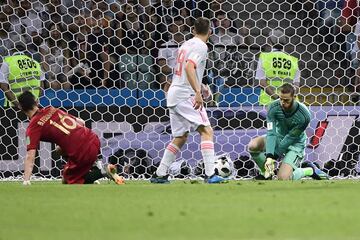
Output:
x=287 y=120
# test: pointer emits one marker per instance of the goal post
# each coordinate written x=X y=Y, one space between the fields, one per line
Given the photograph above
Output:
x=109 y=62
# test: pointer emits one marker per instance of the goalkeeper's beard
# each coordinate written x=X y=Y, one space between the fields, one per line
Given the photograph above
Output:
x=289 y=107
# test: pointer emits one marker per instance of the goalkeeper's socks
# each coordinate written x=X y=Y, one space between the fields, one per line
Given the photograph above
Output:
x=93 y=175
x=207 y=151
x=168 y=158
x=260 y=159
x=302 y=172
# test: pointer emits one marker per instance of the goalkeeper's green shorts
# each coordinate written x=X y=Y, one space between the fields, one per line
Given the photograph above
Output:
x=294 y=155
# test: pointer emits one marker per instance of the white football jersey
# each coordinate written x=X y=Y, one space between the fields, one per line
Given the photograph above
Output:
x=194 y=50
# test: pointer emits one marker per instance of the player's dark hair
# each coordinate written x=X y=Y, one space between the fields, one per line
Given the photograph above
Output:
x=220 y=13
x=287 y=88
x=20 y=47
x=179 y=18
x=27 y=101
x=202 y=26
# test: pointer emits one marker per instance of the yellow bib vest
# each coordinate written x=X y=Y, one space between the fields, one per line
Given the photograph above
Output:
x=279 y=68
x=24 y=74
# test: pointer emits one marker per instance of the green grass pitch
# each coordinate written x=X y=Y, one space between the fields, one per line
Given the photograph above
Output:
x=181 y=210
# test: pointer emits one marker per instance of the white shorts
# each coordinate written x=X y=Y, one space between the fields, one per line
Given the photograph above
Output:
x=184 y=118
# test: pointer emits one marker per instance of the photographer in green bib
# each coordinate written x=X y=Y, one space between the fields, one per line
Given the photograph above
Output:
x=275 y=68
x=19 y=73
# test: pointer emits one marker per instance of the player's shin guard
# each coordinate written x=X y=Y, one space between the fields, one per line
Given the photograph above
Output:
x=260 y=159
x=207 y=150
x=168 y=158
x=302 y=172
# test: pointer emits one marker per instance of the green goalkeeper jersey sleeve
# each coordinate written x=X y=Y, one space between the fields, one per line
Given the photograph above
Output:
x=284 y=128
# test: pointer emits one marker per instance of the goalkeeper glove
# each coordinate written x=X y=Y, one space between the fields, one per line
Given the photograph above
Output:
x=269 y=167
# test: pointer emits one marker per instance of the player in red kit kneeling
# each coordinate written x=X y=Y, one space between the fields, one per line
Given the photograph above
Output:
x=76 y=143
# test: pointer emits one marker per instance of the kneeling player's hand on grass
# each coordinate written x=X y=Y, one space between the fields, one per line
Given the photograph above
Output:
x=269 y=167
x=26 y=183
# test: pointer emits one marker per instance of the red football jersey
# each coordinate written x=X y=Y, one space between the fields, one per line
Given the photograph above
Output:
x=56 y=126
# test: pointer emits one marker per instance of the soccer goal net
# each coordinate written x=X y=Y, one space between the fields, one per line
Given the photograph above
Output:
x=110 y=62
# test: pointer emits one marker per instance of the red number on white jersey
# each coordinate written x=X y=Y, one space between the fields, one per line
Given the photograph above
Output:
x=179 y=62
